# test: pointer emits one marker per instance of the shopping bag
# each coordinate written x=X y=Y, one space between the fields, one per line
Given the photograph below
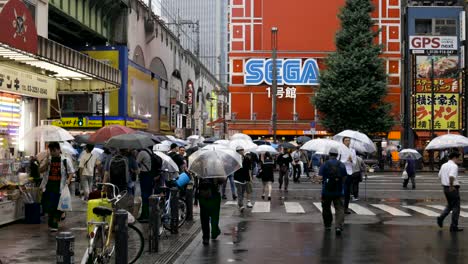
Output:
x=64 y=204
x=404 y=175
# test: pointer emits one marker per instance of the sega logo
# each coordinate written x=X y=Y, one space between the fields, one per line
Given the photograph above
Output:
x=433 y=43
x=289 y=72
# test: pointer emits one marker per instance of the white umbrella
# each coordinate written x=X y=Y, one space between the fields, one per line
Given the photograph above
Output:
x=447 y=141
x=67 y=148
x=215 y=146
x=168 y=163
x=193 y=140
x=245 y=144
x=48 y=133
x=241 y=136
x=409 y=154
x=359 y=141
x=97 y=151
x=294 y=143
x=222 y=142
x=322 y=146
x=161 y=147
x=217 y=162
x=266 y=148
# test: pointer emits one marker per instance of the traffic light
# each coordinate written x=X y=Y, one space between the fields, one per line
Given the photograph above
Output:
x=80 y=121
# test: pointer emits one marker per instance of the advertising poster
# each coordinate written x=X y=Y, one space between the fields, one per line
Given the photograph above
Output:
x=445 y=74
x=446 y=111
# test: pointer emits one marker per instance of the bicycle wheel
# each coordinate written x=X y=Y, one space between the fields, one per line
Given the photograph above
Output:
x=166 y=218
x=96 y=247
x=136 y=243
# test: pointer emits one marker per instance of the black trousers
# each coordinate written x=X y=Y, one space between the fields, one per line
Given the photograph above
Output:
x=412 y=178
x=347 y=191
x=355 y=179
x=297 y=172
x=453 y=205
x=209 y=215
x=327 y=214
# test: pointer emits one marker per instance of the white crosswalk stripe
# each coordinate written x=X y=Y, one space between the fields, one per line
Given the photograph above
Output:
x=231 y=203
x=390 y=210
x=319 y=206
x=294 y=208
x=421 y=210
x=442 y=207
x=261 y=207
x=360 y=210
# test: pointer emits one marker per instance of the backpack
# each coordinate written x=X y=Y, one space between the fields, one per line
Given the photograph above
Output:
x=156 y=164
x=119 y=172
x=334 y=181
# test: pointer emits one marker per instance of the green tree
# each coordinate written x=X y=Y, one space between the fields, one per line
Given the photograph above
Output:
x=354 y=83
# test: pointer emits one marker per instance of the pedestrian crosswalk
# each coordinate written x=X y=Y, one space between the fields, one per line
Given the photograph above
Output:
x=364 y=209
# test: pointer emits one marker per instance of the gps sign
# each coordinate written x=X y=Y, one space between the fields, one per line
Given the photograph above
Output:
x=433 y=44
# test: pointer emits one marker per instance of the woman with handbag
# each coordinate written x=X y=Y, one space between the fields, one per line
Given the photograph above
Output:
x=266 y=174
x=409 y=173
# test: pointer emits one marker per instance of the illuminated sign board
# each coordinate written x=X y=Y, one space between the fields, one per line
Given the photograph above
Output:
x=289 y=72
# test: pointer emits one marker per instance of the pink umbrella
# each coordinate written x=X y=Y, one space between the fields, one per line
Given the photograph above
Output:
x=105 y=133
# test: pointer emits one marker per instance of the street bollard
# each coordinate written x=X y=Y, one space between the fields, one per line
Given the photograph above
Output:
x=65 y=248
x=121 y=237
x=174 y=210
x=154 y=223
x=189 y=201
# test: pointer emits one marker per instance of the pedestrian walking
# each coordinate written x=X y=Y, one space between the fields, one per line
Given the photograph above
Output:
x=230 y=178
x=305 y=161
x=58 y=175
x=333 y=173
x=243 y=180
x=150 y=167
x=266 y=174
x=359 y=168
x=316 y=163
x=210 y=205
x=296 y=164
x=448 y=175
x=410 y=168
x=88 y=162
x=349 y=161
x=283 y=161
x=175 y=156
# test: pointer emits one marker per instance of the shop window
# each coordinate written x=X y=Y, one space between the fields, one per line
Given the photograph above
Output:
x=76 y=104
x=436 y=27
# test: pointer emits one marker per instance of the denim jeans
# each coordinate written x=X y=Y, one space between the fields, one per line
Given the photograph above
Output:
x=230 y=178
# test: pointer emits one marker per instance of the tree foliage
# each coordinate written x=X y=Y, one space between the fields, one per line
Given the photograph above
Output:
x=354 y=83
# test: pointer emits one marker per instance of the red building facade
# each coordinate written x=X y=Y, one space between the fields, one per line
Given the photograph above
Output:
x=306 y=31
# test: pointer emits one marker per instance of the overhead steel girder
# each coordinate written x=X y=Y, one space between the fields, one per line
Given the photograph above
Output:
x=111 y=7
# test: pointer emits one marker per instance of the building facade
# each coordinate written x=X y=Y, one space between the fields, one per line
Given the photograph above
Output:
x=305 y=37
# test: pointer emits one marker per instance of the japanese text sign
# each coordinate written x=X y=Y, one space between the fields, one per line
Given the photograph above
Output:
x=446 y=111
x=26 y=83
x=289 y=72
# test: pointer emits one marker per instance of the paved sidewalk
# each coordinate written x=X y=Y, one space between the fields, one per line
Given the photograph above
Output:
x=23 y=243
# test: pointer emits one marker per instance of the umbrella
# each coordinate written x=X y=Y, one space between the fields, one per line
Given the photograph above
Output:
x=261 y=142
x=48 y=133
x=215 y=146
x=67 y=148
x=447 y=141
x=97 y=151
x=129 y=141
x=214 y=163
x=168 y=163
x=105 y=133
x=294 y=143
x=266 y=148
x=241 y=136
x=303 y=139
x=222 y=142
x=83 y=138
x=161 y=147
x=322 y=146
x=157 y=139
x=288 y=145
x=359 y=141
x=211 y=140
x=409 y=154
x=246 y=144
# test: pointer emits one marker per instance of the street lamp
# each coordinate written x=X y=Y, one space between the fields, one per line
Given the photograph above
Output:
x=274 y=83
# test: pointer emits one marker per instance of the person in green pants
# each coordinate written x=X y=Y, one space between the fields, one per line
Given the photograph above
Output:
x=209 y=199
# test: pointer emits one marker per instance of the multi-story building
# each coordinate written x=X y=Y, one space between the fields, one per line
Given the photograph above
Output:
x=305 y=36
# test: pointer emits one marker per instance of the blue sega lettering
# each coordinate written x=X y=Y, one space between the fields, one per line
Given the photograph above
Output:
x=289 y=71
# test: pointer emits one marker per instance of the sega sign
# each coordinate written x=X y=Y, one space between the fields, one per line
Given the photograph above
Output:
x=289 y=72
x=433 y=43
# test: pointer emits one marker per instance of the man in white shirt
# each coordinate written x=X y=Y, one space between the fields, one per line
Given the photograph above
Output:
x=87 y=163
x=349 y=161
x=448 y=175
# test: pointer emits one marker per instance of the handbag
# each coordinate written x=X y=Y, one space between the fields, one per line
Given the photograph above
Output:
x=404 y=175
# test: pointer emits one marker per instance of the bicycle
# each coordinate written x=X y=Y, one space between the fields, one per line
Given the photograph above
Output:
x=101 y=245
x=165 y=206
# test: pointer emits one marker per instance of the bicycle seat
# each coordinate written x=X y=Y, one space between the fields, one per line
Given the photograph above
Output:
x=102 y=211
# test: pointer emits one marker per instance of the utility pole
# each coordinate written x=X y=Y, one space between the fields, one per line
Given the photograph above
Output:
x=274 y=83
x=431 y=154
x=465 y=72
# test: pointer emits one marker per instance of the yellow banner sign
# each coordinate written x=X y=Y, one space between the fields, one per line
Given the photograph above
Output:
x=17 y=81
x=98 y=123
x=446 y=111
x=68 y=122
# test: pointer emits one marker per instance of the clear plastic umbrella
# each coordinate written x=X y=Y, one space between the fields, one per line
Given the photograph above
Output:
x=447 y=141
x=67 y=148
x=359 y=141
x=409 y=154
x=168 y=163
x=222 y=142
x=266 y=148
x=241 y=136
x=217 y=162
x=322 y=146
x=48 y=133
x=245 y=144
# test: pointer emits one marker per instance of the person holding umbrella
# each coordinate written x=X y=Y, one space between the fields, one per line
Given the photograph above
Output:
x=410 y=168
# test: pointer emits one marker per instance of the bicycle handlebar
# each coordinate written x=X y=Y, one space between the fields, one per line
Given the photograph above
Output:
x=116 y=198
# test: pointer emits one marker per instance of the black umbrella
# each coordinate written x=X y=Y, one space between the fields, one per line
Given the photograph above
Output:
x=303 y=139
x=261 y=142
x=156 y=138
x=211 y=140
x=82 y=139
x=287 y=145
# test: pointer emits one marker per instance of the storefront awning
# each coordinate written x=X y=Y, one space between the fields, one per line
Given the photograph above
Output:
x=427 y=134
x=217 y=121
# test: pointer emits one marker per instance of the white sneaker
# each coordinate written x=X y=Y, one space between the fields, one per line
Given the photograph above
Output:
x=249 y=204
x=242 y=209
x=355 y=199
